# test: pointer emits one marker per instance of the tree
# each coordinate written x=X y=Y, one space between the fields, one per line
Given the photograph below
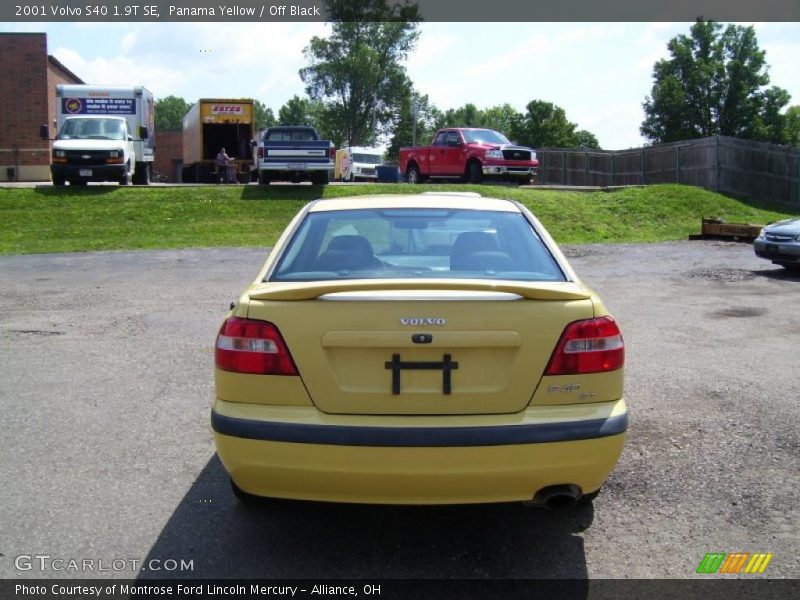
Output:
x=503 y=118
x=714 y=83
x=357 y=72
x=169 y=112
x=792 y=125
x=298 y=111
x=406 y=124
x=264 y=117
x=586 y=139
x=545 y=125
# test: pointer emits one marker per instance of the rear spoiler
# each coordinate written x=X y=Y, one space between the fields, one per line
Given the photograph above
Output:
x=310 y=290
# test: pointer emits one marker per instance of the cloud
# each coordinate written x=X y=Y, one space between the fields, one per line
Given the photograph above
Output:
x=194 y=60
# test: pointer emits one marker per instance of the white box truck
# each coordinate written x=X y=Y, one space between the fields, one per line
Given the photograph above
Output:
x=357 y=162
x=105 y=133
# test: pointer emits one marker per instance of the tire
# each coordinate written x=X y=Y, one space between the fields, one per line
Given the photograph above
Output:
x=126 y=179
x=320 y=178
x=474 y=173
x=263 y=178
x=59 y=181
x=413 y=175
x=142 y=174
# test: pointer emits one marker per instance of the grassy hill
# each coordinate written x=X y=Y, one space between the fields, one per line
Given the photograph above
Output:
x=46 y=219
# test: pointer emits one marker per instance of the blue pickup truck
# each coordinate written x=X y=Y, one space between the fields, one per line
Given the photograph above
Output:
x=293 y=154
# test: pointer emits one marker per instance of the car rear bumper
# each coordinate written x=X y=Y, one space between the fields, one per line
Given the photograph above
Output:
x=301 y=453
x=292 y=167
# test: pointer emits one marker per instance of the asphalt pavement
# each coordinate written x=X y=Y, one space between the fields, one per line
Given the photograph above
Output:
x=106 y=366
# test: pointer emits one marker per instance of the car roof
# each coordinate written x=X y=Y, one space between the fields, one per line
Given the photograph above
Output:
x=447 y=200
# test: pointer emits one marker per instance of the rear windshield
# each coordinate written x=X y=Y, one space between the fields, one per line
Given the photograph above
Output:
x=414 y=243
x=291 y=135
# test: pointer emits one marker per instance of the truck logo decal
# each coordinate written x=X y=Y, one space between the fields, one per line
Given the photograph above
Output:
x=416 y=322
x=73 y=105
x=227 y=109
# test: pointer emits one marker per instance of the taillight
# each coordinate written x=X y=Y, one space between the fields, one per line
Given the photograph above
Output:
x=590 y=346
x=332 y=152
x=249 y=346
x=261 y=152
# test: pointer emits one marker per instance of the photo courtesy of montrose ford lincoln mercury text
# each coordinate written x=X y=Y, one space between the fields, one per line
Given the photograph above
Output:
x=425 y=349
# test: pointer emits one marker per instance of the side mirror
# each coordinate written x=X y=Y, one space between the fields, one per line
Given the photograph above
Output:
x=44 y=132
x=254 y=143
x=130 y=138
x=143 y=133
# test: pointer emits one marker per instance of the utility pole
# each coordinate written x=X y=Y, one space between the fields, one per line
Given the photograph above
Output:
x=414 y=109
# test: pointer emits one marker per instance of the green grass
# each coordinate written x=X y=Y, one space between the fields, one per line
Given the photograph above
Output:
x=45 y=219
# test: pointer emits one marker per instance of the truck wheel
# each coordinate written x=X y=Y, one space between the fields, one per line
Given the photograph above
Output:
x=59 y=181
x=142 y=174
x=412 y=175
x=474 y=172
x=320 y=178
x=263 y=178
x=126 y=179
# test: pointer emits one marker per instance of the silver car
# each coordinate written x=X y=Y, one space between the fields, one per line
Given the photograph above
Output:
x=780 y=243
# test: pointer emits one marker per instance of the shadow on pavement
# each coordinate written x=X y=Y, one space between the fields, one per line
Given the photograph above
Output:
x=779 y=274
x=286 y=539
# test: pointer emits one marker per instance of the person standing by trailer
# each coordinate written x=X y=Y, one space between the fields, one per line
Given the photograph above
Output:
x=224 y=167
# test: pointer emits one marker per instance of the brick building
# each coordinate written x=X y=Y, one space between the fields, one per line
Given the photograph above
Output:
x=169 y=155
x=27 y=98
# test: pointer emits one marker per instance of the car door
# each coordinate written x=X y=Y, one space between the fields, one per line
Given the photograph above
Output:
x=451 y=154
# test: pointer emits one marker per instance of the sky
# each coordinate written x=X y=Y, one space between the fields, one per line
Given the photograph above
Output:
x=599 y=73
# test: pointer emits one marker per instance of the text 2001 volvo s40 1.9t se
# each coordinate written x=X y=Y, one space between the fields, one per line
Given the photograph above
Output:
x=427 y=349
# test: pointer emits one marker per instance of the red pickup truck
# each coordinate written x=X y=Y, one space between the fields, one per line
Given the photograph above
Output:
x=469 y=154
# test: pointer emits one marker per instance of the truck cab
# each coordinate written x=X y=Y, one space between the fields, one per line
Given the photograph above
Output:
x=93 y=148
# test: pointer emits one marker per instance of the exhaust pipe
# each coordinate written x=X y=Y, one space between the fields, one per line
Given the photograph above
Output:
x=558 y=497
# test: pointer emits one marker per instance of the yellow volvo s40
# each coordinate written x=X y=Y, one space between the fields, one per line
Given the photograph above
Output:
x=428 y=349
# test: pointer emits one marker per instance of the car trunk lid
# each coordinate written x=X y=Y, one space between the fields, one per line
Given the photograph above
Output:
x=420 y=348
